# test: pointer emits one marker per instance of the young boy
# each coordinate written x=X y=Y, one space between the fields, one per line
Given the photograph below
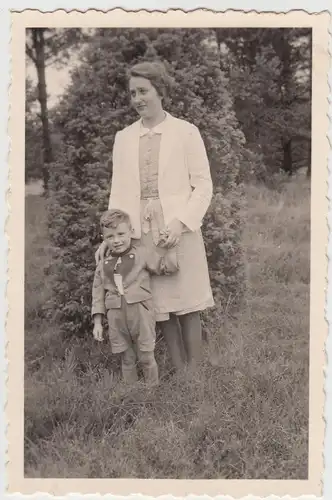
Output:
x=121 y=290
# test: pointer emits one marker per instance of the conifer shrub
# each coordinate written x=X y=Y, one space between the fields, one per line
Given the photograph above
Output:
x=94 y=108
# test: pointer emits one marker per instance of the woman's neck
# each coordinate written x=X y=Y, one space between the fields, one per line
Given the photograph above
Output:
x=154 y=120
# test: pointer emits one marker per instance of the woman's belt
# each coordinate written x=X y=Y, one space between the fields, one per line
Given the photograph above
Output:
x=148 y=197
x=153 y=219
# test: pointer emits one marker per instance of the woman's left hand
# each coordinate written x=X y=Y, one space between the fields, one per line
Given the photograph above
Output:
x=174 y=230
x=100 y=253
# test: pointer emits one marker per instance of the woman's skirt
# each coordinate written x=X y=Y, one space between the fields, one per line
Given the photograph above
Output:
x=189 y=289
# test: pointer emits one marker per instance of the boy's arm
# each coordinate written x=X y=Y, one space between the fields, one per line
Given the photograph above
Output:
x=98 y=293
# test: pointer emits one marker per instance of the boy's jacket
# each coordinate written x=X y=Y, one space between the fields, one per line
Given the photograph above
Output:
x=137 y=265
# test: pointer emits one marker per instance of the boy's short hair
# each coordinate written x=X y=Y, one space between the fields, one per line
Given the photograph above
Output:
x=112 y=218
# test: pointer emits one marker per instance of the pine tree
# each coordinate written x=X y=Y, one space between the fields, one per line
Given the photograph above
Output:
x=33 y=137
x=46 y=46
x=270 y=74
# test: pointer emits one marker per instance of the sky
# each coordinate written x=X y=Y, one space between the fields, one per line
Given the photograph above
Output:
x=56 y=80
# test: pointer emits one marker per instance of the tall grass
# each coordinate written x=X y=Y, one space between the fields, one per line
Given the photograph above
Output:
x=243 y=414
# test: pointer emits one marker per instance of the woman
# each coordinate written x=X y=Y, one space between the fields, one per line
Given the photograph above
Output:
x=161 y=178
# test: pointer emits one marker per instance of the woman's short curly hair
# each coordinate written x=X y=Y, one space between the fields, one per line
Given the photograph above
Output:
x=155 y=72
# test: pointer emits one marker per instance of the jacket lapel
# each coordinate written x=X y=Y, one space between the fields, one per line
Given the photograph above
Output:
x=126 y=267
x=166 y=143
x=134 y=268
x=108 y=268
x=128 y=262
x=132 y=151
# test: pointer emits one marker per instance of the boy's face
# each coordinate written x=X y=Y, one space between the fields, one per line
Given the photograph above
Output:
x=118 y=238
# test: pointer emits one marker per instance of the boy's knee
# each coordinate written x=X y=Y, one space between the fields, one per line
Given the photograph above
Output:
x=147 y=358
x=128 y=357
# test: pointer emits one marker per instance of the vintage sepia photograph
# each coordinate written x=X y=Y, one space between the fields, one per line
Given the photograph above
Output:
x=167 y=253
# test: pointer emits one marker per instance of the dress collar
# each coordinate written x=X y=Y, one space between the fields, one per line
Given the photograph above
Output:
x=158 y=129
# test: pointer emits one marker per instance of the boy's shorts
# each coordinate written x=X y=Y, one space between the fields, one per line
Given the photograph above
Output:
x=132 y=324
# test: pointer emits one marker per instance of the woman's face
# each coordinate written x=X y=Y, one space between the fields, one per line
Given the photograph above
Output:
x=144 y=97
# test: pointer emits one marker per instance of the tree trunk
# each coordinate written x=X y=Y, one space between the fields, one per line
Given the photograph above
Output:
x=39 y=49
x=287 y=165
x=283 y=49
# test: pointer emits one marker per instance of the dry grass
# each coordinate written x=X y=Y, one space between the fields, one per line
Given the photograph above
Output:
x=243 y=416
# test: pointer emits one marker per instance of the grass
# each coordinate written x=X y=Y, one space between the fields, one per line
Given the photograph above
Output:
x=242 y=415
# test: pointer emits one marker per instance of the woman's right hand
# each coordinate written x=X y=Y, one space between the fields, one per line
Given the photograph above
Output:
x=100 y=253
x=174 y=232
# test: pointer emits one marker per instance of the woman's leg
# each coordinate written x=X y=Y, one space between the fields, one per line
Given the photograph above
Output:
x=171 y=332
x=192 y=336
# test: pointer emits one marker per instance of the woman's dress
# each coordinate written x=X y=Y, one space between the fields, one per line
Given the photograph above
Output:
x=189 y=289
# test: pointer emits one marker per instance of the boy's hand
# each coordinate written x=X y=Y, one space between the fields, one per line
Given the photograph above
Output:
x=98 y=332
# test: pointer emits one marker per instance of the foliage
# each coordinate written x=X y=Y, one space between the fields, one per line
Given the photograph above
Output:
x=270 y=73
x=44 y=46
x=34 y=158
x=33 y=139
x=222 y=233
x=93 y=110
x=58 y=43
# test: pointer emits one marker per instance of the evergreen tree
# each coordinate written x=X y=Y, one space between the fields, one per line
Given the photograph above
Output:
x=33 y=136
x=270 y=75
x=95 y=107
x=45 y=46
